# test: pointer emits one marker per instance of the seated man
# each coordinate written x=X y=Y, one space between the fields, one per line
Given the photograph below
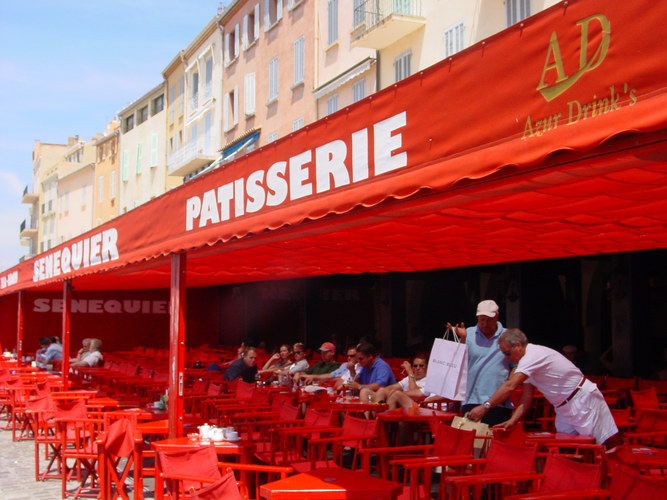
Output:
x=94 y=357
x=402 y=392
x=299 y=365
x=375 y=371
x=83 y=352
x=51 y=351
x=344 y=373
x=326 y=365
x=244 y=367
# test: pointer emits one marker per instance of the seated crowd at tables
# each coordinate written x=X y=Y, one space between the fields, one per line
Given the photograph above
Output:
x=287 y=413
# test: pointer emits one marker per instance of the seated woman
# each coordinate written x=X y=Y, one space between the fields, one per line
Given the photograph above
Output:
x=280 y=359
x=401 y=393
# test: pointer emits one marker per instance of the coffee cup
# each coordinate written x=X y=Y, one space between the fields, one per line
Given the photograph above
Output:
x=232 y=435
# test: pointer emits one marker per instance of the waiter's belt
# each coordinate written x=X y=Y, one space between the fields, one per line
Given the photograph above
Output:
x=574 y=393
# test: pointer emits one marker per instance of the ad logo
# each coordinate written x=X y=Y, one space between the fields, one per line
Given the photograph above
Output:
x=563 y=81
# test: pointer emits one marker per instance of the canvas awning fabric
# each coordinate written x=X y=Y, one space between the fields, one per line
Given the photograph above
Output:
x=546 y=140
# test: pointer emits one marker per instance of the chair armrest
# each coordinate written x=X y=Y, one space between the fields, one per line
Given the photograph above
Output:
x=496 y=477
x=338 y=439
x=309 y=430
x=436 y=461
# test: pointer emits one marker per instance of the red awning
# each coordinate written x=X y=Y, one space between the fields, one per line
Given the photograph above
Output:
x=547 y=140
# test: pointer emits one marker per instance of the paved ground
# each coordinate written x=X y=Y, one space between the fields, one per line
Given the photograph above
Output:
x=17 y=472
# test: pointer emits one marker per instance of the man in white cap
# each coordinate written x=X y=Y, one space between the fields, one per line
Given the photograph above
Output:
x=488 y=369
x=326 y=365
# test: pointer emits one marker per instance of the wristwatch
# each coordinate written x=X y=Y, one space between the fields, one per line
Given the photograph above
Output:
x=487 y=406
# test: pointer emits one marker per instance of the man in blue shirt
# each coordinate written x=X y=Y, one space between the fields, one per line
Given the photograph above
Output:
x=488 y=369
x=375 y=372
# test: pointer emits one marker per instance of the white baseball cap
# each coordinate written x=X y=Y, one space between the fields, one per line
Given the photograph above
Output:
x=487 y=308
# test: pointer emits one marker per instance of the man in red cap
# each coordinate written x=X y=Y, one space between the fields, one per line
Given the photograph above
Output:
x=328 y=362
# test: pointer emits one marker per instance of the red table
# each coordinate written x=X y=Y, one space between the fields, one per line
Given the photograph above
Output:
x=331 y=482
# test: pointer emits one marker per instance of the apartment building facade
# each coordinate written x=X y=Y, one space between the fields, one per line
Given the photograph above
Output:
x=142 y=145
x=105 y=206
x=193 y=84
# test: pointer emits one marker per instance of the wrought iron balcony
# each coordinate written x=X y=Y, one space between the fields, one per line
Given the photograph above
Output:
x=380 y=23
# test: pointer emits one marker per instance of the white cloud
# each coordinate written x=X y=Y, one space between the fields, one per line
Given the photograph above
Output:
x=11 y=183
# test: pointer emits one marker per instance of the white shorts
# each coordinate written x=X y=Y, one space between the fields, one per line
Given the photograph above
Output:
x=587 y=414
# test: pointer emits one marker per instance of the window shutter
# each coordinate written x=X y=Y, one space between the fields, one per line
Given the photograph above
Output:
x=225 y=112
x=267 y=15
x=279 y=10
x=140 y=154
x=154 y=139
x=236 y=105
x=249 y=92
x=256 y=21
x=245 y=32
x=125 y=158
x=226 y=49
x=236 y=41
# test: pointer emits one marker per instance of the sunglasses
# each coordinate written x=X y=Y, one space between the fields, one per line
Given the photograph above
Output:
x=351 y=355
x=418 y=366
x=507 y=353
x=298 y=352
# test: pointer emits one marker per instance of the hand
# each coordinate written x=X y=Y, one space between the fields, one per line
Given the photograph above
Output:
x=407 y=367
x=459 y=329
x=476 y=413
x=308 y=379
x=504 y=425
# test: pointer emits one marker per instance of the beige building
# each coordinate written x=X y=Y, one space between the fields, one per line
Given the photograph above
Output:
x=44 y=158
x=105 y=205
x=143 y=173
x=193 y=83
x=410 y=35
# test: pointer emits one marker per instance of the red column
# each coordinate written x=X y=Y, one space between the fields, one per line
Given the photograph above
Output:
x=19 y=330
x=177 y=344
x=67 y=306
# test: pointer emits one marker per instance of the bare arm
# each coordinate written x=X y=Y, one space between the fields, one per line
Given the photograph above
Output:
x=504 y=392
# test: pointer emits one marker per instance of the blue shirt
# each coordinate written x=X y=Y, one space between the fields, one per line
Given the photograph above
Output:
x=488 y=368
x=380 y=373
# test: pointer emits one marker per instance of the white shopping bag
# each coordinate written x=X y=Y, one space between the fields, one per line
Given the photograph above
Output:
x=448 y=369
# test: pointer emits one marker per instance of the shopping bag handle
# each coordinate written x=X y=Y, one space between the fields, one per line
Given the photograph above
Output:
x=452 y=330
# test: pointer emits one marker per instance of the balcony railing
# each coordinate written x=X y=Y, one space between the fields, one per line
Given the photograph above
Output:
x=397 y=18
x=191 y=156
x=29 y=197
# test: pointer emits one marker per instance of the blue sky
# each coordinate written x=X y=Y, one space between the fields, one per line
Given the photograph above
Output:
x=67 y=67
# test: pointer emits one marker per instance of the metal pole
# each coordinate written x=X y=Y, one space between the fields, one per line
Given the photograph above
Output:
x=177 y=344
x=67 y=306
x=19 y=331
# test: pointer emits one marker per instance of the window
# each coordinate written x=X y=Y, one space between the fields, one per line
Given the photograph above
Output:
x=273 y=136
x=140 y=154
x=208 y=77
x=359 y=90
x=172 y=99
x=124 y=165
x=66 y=201
x=230 y=110
x=129 y=123
x=112 y=185
x=454 y=39
x=297 y=124
x=359 y=15
x=273 y=79
x=142 y=115
x=332 y=104
x=83 y=195
x=249 y=95
x=332 y=24
x=181 y=91
x=194 y=93
x=157 y=104
x=153 y=160
x=231 y=45
x=251 y=27
x=299 y=55
x=402 y=66
x=100 y=188
x=517 y=10
x=273 y=12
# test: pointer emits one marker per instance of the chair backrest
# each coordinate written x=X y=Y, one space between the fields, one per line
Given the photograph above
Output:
x=288 y=411
x=628 y=484
x=119 y=440
x=645 y=398
x=318 y=418
x=513 y=435
x=648 y=419
x=214 y=389
x=355 y=426
x=506 y=457
x=244 y=389
x=261 y=397
x=280 y=398
x=199 y=385
x=71 y=409
x=452 y=441
x=202 y=462
x=226 y=488
x=564 y=474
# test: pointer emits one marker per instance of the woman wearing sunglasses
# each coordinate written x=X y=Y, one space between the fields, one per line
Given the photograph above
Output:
x=401 y=393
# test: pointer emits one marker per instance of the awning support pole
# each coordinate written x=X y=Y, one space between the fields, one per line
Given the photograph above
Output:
x=19 y=331
x=67 y=306
x=177 y=344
